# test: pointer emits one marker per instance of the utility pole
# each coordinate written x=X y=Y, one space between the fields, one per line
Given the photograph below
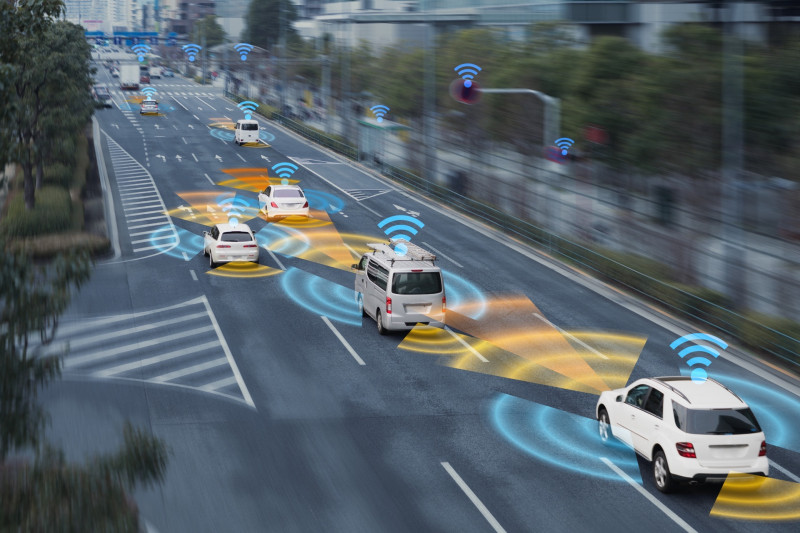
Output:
x=429 y=98
x=282 y=37
x=552 y=112
x=326 y=91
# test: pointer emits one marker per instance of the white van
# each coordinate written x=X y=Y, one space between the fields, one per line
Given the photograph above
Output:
x=400 y=290
x=246 y=132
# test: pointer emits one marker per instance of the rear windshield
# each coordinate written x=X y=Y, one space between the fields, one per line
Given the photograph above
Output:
x=417 y=283
x=236 y=236
x=288 y=193
x=716 y=421
x=250 y=127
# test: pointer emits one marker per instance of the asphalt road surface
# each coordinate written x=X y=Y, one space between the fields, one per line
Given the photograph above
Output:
x=285 y=411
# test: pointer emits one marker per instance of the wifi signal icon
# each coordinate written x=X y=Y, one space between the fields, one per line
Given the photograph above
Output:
x=140 y=50
x=191 y=50
x=149 y=92
x=233 y=206
x=467 y=71
x=391 y=231
x=565 y=143
x=248 y=107
x=379 y=111
x=243 y=49
x=698 y=374
x=284 y=171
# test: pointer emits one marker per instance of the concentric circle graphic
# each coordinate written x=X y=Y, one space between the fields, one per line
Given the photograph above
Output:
x=227 y=134
x=283 y=240
x=321 y=297
x=324 y=201
x=460 y=292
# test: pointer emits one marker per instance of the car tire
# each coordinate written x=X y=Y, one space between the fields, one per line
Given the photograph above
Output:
x=379 y=319
x=360 y=301
x=211 y=262
x=205 y=252
x=661 y=474
x=604 y=426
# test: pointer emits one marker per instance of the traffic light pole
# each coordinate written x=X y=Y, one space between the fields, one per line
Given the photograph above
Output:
x=552 y=112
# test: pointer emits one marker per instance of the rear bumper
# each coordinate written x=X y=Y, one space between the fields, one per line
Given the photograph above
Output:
x=688 y=469
x=227 y=258
x=303 y=212
x=405 y=323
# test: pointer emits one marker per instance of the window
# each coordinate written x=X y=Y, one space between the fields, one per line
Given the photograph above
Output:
x=250 y=127
x=636 y=395
x=417 y=283
x=236 y=236
x=288 y=193
x=679 y=412
x=721 y=422
x=655 y=403
x=363 y=263
x=378 y=275
x=215 y=233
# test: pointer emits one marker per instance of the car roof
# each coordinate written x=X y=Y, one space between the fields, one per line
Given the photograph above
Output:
x=246 y=121
x=276 y=187
x=709 y=394
x=224 y=228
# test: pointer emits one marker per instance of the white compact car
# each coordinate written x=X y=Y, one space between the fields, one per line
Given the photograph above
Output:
x=148 y=107
x=283 y=201
x=690 y=430
x=230 y=242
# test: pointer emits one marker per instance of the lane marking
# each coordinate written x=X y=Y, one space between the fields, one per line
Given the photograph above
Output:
x=571 y=336
x=329 y=182
x=242 y=158
x=184 y=140
x=664 y=509
x=189 y=350
x=343 y=341
x=194 y=276
x=224 y=382
x=191 y=370
x=87 y=341
x=275 y=257
x=195 y=158
x=466 y=345
x=456 y=263
x=180 y=104
x=353 y=251
x=206 y=103
x=185 y=256
x=473 y=498
x=785 y=472
x=209 y=179
x=198 y=118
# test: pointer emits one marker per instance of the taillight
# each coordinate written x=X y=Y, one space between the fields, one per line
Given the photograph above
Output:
x=685 y=449
x=250 y=246
x=305 y=204
x=444 y=303
x=763 y=451
x=223 y=246
x=273 y=204
x=388 y=306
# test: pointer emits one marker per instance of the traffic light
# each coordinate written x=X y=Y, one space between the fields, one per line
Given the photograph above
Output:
x=464 y=94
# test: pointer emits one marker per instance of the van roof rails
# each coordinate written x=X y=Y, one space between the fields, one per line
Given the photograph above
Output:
x=413 y=252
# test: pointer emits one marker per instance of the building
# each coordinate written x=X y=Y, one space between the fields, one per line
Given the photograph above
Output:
x=187 y=13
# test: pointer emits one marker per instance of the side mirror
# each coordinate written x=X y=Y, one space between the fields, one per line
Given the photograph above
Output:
x=619 y=398
x=354 y=266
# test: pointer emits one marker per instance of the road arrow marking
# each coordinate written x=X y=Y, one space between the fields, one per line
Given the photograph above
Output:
x=156 y=125
x=178 y=157
x=190 y=126
x=265 y=157
x=218 y=158
x=115 y=125
x=398 y=207
x=163 y=158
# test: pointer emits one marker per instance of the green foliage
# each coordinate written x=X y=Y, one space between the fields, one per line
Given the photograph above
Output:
x=264 y=20
x=209 y=29
x=58 y=175
x=52 y=214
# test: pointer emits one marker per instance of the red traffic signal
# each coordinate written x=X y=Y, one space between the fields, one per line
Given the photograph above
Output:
x=464 y=94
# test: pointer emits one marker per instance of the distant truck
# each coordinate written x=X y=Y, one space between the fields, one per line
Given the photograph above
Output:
x=155 y=72
x=129 y=76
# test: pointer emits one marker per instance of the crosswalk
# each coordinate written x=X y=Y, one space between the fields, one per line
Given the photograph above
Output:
x=149 y=225
x=179 y=345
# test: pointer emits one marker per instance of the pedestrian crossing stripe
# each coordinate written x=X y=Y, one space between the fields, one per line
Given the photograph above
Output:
x=364 y=194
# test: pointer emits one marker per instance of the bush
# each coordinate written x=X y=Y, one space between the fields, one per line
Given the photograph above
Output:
x=48 y=246
x=51 y=214
x=81 y=164
x=779 y=336
x=63 y=151
x=58 y=174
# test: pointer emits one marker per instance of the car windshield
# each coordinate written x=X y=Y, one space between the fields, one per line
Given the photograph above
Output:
x=417 y=283
x=236 y=236
x=288 y=193
x=721 y=422
x=250 y=127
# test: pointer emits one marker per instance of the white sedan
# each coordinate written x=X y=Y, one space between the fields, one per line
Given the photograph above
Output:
x=283 y=201
x=230 y=242
x=149 y=107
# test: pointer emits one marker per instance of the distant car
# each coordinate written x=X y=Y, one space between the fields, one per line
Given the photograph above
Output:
x=230 y=242
x=282 y=201
x=115 y=72
x=245 y=131
x=167 y=73
x=101 y=95
x=148 y=107
x=144 y=78
x=691 y=430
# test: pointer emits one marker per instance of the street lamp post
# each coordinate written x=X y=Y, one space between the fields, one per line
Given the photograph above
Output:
x=552 y=112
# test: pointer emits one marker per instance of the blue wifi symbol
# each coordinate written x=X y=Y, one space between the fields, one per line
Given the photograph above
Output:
x=391 y=231
x=191 y=50
x=565 y=143
x=140 y=50
x=233 y=205
x=698 y=374
x=149 y=92
x=379 y=111
x=243 y=49
x=248 y=107
x=284 y=171
x=467 y=71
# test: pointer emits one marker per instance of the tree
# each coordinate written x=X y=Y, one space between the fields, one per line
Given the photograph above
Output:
x=264 y=22
x=209 y=29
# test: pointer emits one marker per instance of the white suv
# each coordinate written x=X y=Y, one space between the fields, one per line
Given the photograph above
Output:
x=690 y=430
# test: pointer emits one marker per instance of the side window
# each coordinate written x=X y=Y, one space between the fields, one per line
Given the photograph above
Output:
x=363 y=263
x=679 y=412
x=655 y=403
x=636 y=395
x=215 y=233
x=378 y=275
x=268 y=191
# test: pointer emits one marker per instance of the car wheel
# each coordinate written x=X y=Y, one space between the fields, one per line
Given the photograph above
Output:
x=661 y=474
x=360 y=301
x=211 y=262
x=379 y=319
x=604 y=426
x=205 y=252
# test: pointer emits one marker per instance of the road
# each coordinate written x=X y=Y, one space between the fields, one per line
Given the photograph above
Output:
x=253 y=375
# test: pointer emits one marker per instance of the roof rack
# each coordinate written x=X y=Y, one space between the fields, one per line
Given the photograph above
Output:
x=673 y=389
x=413 y=252
x=726 y=388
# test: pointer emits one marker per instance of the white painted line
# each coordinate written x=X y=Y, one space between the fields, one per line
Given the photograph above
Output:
x=103 y=354
x=190 y=370
x=353 y=251
x=145 y=232
x=343 y=341
x=155 y=359
x=466 y=345
x=437 y=252
x=242 y=158
x=143 y=212
x=206 y=103
x=275 y=257
x=155 y=247
x=195 y=158
x=245 y=393
x=209 y=179
x=198 y=118
x=571 y=336
x=134 y=221
x=180 y=104
x=785 y=472
x=151 y=239
x=184 y=140
x=473 y=498
x=127 y=203
x=194 y=276
x=664 y=509
x=326 y=180
x=218 y=384
x=139 y=190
